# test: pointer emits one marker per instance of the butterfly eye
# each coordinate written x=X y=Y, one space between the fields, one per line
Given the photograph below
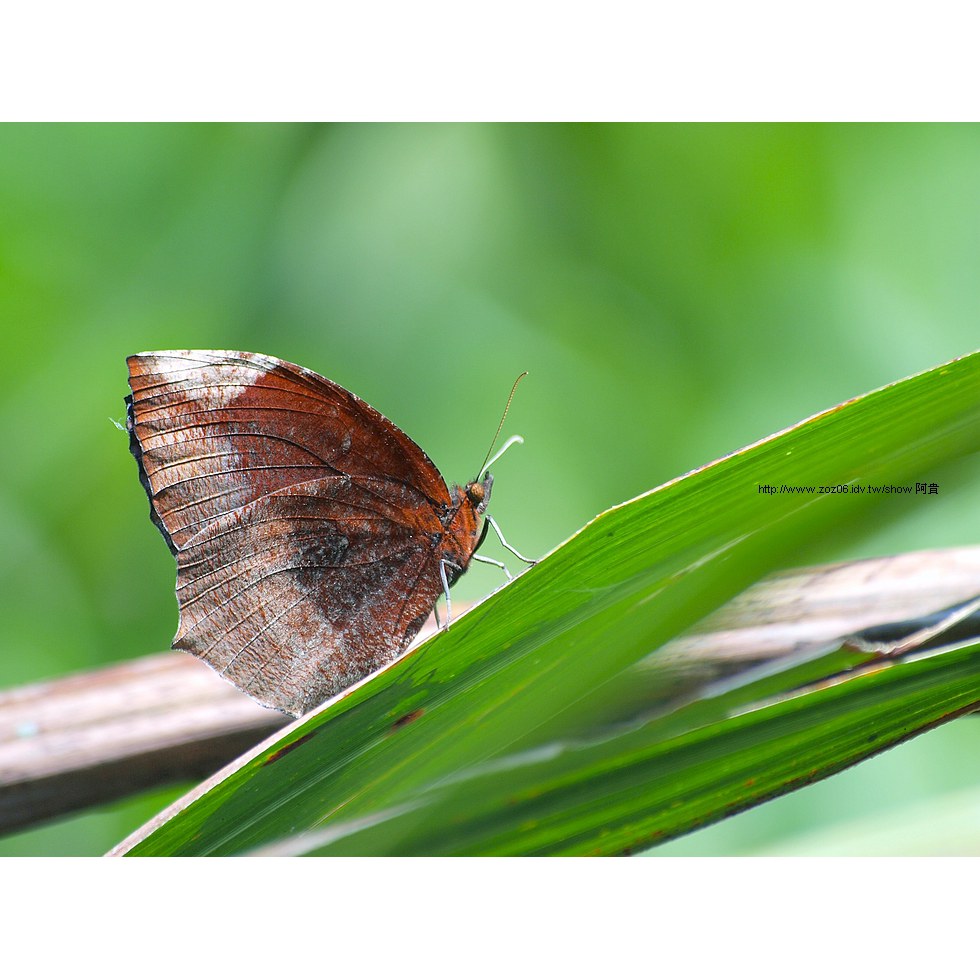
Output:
x=478 y=493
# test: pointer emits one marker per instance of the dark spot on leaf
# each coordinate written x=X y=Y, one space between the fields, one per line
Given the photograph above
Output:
x=407 y=719
x=286 y=749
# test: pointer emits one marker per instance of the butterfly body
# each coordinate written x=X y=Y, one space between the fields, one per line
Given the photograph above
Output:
x=311 y=534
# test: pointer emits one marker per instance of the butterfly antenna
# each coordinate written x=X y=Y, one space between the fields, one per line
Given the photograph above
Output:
x=510 y=441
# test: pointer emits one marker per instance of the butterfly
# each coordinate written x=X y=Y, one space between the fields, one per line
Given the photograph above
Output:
x=312 y=536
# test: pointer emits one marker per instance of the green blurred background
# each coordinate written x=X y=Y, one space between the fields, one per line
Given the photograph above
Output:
x=674 y=291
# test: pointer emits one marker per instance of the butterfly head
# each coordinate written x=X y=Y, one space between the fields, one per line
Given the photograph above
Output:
x=462 y=522
x=478 y=492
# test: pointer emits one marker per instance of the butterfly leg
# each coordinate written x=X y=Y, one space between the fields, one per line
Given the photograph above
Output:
x=493 y=561
x=513 y=551
x=445 y=587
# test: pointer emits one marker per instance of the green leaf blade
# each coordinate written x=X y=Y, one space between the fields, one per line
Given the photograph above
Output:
x=532 y=663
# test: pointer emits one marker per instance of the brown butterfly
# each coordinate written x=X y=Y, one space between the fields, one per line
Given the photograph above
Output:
x=312 y=536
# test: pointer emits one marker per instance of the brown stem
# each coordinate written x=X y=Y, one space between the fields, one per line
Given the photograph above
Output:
x=104 y=734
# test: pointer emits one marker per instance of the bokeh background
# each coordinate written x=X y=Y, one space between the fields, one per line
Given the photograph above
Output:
x=674 y=291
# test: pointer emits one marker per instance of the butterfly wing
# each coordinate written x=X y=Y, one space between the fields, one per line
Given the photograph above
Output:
x=216 y=429
x=299 y=594
x=306 y=526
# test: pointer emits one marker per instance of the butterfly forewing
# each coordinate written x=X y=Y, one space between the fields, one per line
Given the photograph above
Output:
x=220 y=428
x=308 y=529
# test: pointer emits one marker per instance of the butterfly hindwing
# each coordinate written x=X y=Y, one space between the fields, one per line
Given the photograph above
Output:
x=324 y=585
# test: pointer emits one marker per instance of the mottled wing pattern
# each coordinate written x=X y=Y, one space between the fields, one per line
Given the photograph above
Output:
x=299 y=594
x=304 y=523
